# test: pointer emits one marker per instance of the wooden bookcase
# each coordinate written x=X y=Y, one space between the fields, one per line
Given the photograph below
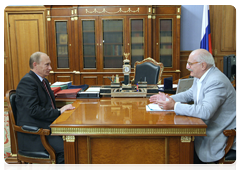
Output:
x=86 y=43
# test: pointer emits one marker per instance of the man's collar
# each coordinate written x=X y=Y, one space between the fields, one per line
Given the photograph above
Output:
x=205 y=74
x=40 y=78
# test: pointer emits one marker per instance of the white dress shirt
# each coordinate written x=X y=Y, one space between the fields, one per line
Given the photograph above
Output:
x=199 y=85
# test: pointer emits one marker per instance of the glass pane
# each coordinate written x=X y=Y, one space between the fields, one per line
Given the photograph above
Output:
x=112 y=43
x=62 y=44
x=166 y=42
x=137 y=41
x=89 y=50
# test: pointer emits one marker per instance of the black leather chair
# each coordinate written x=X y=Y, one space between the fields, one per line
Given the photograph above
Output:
x=149 y=70
x=230 y=154
x=23 y=156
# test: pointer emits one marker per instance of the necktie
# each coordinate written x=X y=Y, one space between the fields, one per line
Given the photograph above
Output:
x=48 y=93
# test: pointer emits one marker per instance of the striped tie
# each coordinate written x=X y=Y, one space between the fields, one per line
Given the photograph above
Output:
x=48 y=93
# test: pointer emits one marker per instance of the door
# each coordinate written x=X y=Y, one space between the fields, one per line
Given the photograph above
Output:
x=27 y=35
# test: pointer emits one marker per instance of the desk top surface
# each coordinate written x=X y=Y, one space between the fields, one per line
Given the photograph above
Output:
x=121 y=113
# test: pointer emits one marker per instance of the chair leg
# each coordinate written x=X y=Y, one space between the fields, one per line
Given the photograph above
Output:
x=30 y=166
x=19 y=165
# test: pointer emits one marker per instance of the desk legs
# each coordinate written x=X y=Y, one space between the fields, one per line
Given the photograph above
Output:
x=186 y=150
x=69 y=149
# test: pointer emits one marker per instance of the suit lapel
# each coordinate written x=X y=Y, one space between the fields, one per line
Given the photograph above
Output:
x=37 y=79
x=201 y=92
x=41 y=84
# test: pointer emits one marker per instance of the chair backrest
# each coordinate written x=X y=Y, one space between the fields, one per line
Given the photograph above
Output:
x=148 y=70
x=12 y=111
x=11 y=95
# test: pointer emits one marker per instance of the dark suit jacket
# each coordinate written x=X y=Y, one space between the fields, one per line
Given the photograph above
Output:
x=34 y=108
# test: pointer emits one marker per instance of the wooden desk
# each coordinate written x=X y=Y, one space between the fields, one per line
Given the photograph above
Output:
x=121 y=131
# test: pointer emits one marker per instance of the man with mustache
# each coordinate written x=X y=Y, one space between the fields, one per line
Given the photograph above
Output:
x=214 y=102
x=36 y=106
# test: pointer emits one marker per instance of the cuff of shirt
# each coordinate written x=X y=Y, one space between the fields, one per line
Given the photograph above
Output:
x=175 y=105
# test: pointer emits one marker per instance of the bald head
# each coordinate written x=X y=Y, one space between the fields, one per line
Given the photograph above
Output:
x=202 y=55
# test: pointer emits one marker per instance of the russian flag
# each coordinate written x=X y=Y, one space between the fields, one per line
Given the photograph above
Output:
x=206 y=32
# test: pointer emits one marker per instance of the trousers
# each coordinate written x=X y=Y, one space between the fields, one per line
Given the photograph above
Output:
x=57 y=143
x=199 y=165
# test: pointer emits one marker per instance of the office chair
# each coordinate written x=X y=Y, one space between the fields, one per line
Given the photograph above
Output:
x=149 y=70
x=23 y=156
x=230 y=155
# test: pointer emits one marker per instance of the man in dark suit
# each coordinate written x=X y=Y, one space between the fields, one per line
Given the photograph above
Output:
x=36 y=106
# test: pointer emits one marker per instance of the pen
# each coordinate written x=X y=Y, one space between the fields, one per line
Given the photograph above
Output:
x=149 y=107
x=109 y=79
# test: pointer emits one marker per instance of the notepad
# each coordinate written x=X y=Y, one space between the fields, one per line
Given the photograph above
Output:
x=154 y=107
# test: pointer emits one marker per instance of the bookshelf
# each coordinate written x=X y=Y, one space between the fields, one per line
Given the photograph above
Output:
x=89 y=41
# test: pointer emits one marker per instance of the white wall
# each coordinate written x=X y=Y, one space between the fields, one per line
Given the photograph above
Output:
x=191 y=24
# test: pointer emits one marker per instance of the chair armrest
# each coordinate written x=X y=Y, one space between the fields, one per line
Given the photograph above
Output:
x=30 y=128
x=231 y=132
x=40 y=131
x=231 y=135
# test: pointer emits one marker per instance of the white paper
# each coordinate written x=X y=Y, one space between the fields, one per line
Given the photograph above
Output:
x=93 y=89
x=58 y=83
x=154 y=107
x=174 y=86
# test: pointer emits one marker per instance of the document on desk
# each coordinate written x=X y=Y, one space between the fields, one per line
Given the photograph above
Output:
x=59 y=83
x=91 y=92
x=154 y=107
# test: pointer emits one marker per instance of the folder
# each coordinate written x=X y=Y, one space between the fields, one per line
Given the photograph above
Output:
x=55 y=90
x=83 y=87
x=63 y=85
x=68 y=93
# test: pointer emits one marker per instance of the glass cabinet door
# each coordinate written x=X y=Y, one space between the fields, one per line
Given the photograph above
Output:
x=137 y=41
x=89 y=46
x=165 y=42
x=112 y=43
x=62 y=44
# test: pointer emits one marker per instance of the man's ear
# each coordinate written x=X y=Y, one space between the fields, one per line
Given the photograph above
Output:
x=204 y=65
x=34 y=64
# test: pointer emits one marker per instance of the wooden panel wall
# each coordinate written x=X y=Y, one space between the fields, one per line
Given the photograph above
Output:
x=223 y=29
x=24 y=34
x=223 y=34
x=16 y=55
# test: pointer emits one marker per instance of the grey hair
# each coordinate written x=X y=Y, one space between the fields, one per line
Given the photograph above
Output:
x=35 y=57
x=204 y=56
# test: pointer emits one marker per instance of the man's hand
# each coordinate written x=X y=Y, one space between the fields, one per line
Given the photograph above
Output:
x=167 y=105
x=67 y=107
x=157 y=97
